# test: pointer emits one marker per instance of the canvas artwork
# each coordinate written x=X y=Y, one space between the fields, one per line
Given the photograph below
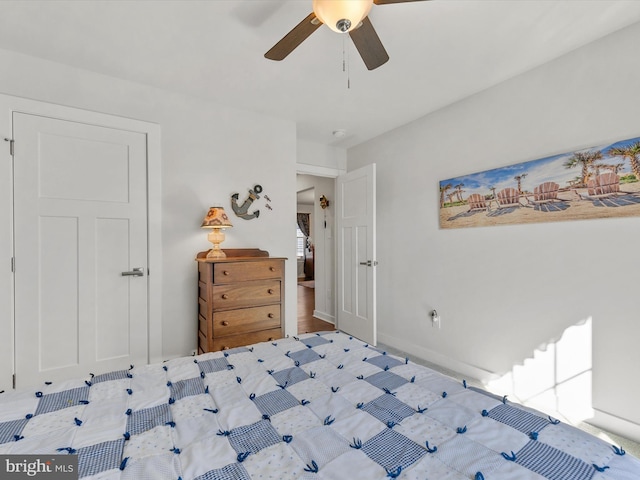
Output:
x=597 y=182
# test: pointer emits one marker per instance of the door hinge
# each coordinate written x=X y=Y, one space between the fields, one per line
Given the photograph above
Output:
x=13 y=265
x=14 y=381
x=11 y=145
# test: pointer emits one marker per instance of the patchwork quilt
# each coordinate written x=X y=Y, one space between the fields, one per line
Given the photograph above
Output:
x=319 y=407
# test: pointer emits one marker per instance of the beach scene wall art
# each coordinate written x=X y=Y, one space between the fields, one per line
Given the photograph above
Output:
x=597 y=182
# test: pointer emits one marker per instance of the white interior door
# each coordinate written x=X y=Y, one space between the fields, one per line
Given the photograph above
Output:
x=356 y=244
x=80 y=203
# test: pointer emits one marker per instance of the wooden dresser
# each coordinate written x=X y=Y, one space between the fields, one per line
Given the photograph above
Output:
x=241 y=299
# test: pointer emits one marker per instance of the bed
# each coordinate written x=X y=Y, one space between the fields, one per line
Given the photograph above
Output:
x=319 y=406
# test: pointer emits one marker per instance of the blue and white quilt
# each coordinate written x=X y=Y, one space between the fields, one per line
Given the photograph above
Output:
x=318 y=407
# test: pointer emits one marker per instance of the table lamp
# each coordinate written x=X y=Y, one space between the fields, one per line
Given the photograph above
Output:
x=217 y=220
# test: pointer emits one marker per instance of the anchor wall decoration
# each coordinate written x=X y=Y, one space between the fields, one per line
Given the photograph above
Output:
x=242 y=210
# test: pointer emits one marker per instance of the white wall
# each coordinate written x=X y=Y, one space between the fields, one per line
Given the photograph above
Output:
x=324 y=241
x=205 y=158
x=502 y=292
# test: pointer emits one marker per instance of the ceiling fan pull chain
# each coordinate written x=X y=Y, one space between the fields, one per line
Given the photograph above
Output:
x=348 y=70
x=345 y=61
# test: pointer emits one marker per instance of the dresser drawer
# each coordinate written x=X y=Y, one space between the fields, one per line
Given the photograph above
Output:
x=232 y=341
x=230 y=272
x=248 y=294
x=232 y=322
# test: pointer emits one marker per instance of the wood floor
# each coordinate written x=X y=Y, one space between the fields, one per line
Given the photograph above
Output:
x=307 y=323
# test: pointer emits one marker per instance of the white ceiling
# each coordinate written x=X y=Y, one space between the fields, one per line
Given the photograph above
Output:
x=441 y=51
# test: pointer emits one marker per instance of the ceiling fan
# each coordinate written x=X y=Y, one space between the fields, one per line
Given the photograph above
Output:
x=342 y=16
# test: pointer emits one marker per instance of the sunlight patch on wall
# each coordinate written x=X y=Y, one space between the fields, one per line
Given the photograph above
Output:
x=557 y=379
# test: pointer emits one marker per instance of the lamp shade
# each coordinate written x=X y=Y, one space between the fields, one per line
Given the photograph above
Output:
x=216 y=218
x=342 y=15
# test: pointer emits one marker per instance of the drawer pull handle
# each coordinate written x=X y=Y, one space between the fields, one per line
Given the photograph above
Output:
x=271 y=315
x=270 y=291
x=225 y=296
x=273 y=269
x=225 y=323
x=270 y=339
x=226 y=272
x=224 y=347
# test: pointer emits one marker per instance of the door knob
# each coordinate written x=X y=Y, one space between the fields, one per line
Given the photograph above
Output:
x=136 y=272
x=369 y=263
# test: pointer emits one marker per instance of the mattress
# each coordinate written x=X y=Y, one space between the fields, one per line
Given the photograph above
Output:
x=318 y=406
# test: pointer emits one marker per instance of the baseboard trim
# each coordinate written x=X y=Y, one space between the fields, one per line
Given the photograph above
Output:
x=324 y=316
x=473 y=372
x=614 y=424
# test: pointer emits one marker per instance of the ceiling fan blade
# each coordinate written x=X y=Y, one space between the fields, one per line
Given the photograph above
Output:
x=369 y=45
x=386 y=2
x=294 y=38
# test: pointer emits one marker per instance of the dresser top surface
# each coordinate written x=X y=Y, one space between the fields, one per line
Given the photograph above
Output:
x=238 y=259
x=239 y=255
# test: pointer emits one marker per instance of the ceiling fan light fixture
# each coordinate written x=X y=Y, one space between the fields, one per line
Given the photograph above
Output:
x=342 y=15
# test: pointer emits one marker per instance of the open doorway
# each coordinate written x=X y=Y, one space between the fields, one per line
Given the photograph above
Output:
x=315 y=254
x=305 y=237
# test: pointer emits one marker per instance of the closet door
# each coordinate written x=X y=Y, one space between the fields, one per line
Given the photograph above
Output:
x=80 y=221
